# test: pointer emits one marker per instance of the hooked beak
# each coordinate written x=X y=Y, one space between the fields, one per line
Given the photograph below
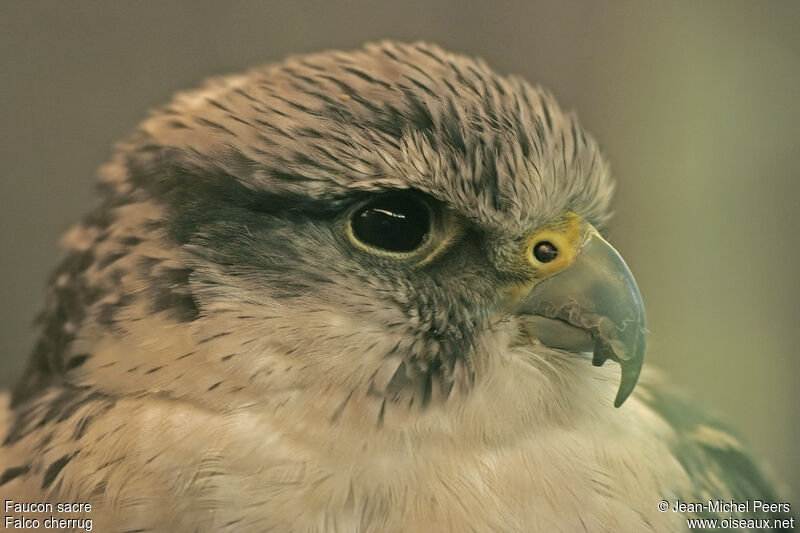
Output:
x=592 y=305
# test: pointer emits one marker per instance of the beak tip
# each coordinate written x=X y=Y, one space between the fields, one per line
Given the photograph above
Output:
x=628 y=352
x=630 y=371
x=622 y=395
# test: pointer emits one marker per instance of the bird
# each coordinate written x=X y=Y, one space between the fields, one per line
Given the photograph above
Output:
x=358 y=291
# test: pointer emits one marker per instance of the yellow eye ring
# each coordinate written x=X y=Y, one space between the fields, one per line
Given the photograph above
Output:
x=553 y=249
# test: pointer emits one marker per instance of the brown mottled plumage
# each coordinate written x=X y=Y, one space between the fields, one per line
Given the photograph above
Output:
x=219 y=353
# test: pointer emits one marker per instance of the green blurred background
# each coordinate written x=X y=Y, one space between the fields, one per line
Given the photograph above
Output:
x=696 y=104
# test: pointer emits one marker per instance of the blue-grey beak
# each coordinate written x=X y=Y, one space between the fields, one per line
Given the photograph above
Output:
x=593 y=305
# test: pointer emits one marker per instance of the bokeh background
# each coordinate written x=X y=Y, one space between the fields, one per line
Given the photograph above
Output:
x=695 y=103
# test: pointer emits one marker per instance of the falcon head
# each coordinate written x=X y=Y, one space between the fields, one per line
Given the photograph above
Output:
x=367 y=235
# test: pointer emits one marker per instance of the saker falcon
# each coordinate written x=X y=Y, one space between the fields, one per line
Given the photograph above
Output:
x=360 y=291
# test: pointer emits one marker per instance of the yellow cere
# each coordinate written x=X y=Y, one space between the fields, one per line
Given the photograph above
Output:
x=566 y=235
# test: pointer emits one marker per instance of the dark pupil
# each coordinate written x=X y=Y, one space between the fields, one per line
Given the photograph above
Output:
x=393 y=223
x=544 y=252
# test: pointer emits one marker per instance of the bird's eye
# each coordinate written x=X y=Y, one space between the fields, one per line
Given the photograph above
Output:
x=544 y=251
x=398 y=223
